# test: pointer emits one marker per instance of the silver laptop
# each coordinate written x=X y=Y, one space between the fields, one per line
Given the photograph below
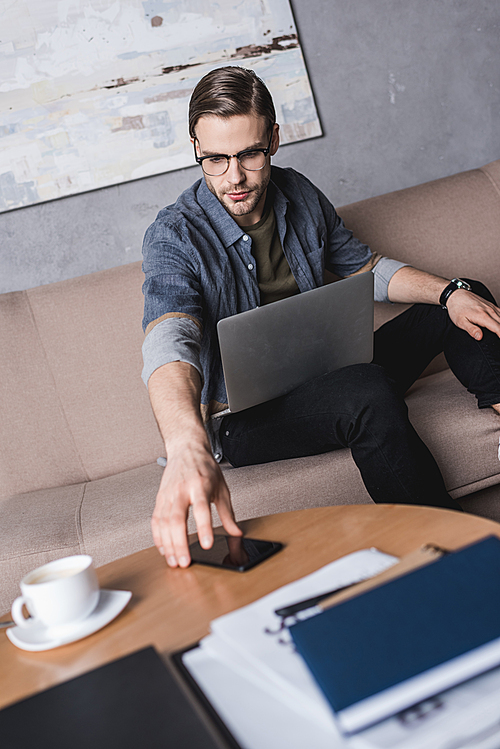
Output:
x=268 y=351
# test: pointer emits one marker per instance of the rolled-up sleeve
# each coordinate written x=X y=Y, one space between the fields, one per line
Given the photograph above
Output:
x=171 y=286
x=383 y=272
x=173 y=339
x=172 y=300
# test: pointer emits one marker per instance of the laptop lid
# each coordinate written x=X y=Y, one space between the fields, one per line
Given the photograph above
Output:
x=268 y=351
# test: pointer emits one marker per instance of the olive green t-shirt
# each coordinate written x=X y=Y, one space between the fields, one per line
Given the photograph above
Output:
x=274 y=276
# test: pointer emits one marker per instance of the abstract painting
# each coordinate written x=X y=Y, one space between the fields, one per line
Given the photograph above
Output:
x=95 y=92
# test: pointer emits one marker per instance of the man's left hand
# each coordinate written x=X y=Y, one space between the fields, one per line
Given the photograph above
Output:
x=471 y=313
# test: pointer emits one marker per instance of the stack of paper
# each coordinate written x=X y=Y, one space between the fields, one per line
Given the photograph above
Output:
x=248 y=665
x=408 y=639
x=466 y=717
x=256 y=640
x=262 y=689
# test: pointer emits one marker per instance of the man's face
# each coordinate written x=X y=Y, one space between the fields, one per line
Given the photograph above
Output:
x=241 y=192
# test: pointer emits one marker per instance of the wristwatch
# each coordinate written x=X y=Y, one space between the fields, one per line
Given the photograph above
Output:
x=455 y=283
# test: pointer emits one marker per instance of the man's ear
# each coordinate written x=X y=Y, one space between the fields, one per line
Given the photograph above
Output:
x=276 y=139
x=196 y=145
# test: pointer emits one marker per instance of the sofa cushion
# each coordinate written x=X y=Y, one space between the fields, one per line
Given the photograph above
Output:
x=37 y=449
x=36 y=528
x=485 y=502
x=107 y=519
x=90 y=328
x=462 y=438
x=116 y=513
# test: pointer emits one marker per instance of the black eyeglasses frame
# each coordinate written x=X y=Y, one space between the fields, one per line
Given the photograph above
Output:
x=200 y=159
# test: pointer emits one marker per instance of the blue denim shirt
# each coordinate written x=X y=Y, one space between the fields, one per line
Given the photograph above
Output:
x=199 y=268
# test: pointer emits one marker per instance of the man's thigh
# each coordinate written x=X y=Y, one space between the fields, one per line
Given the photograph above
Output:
x=316 y=417
x=405 y=345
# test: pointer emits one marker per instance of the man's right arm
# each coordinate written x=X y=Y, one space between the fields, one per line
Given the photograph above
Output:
x=192 y=477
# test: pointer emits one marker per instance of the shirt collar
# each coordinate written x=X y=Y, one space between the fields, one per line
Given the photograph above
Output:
x=226 y=227
x=280 y=200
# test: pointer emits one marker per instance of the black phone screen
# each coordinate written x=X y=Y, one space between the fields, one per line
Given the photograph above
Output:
x=234 y=552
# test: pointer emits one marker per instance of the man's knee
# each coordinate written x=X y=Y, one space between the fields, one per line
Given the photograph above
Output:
x=367 y=387
x=371 y=407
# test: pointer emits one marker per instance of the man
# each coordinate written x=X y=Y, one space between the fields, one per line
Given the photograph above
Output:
x=247 y=234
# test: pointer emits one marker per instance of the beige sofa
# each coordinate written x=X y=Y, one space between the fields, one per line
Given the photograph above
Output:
x=78 y=441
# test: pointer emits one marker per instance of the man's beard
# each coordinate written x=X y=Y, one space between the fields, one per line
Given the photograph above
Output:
x=243 y=207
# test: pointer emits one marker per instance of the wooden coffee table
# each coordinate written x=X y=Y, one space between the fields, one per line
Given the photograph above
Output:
x=172 y=609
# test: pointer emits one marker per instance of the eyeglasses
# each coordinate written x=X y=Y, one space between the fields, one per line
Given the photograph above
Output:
x=251 y=159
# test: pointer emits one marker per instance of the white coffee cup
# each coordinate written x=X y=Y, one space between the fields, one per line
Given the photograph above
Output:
x=59 y=593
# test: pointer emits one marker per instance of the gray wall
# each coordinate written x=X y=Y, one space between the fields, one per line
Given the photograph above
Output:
x=407 y=91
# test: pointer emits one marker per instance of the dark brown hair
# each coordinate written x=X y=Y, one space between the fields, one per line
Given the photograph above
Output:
x=229 y=91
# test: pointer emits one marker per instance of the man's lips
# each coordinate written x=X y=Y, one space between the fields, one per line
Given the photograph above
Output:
x=236 y=196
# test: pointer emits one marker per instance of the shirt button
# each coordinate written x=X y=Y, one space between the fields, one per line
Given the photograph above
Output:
x=250 y=266
x=245 y=237
x=218 y=456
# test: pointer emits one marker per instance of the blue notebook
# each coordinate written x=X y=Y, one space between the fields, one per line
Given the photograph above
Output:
x=407 y=639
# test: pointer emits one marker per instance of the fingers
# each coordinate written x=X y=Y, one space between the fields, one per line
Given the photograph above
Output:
x=238 y=555
x=181 y=488
x=226 y=514
x=160 y=529
x=155 y=530
x=168 y=512
x=225 y=509
x=177 y=532
x=473 y=313
x=199 y=498
x=487 y=316
x=156 y=519
x=473 y=330
x=169 y=525
x=494 y=323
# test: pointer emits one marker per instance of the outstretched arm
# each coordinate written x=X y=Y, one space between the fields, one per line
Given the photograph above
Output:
x=192 y=475
x=467 y=310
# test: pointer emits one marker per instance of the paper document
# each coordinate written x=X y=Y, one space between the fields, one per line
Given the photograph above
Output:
x=415 y=636
x=465 y=717
x=264 y=693
x=256 y=640
x=256 y=719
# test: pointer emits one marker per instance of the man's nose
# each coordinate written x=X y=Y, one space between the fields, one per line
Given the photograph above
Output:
x=235 y=173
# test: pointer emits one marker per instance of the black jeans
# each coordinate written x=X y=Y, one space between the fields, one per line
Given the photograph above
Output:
x=362 y=407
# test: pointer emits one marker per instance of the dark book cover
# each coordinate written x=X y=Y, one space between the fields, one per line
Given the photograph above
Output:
x=130 y=703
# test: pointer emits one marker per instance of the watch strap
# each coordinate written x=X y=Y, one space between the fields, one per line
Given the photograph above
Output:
x=455 y=283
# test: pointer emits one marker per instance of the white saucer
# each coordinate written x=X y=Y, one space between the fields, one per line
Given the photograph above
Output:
x=39 y=637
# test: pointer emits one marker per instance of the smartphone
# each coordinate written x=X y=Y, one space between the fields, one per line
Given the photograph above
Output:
x=234 y=552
